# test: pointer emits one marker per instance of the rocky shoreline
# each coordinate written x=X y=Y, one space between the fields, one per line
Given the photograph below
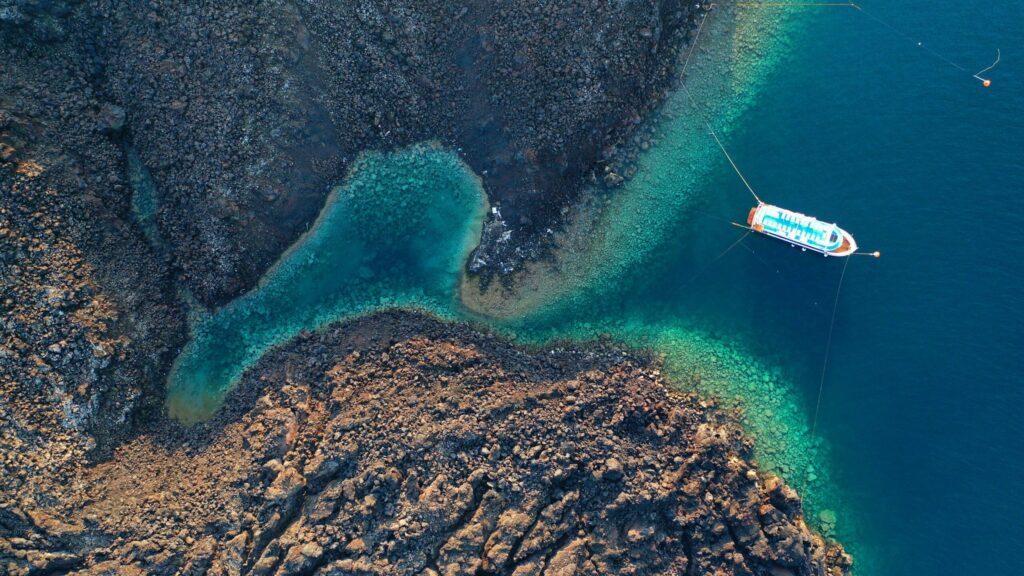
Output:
x=397 y=444
x=239 y=117
x=245 y=114
x=393 y=444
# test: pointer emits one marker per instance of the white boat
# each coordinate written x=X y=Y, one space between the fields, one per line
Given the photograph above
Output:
x=801 y=230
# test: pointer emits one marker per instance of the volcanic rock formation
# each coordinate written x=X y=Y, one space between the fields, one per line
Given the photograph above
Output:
x=396 y=444
x=159 y=153
x=245 y=113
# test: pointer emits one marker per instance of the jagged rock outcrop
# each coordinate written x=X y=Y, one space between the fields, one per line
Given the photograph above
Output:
x=246 y=113
x=389 y=445
x=89 y=321
x=397 y=444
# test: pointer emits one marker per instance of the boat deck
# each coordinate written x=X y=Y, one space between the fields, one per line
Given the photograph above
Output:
x=800 y=230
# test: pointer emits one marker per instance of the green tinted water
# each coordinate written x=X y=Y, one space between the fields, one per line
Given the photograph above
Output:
x=397 y=233
x=394 y=235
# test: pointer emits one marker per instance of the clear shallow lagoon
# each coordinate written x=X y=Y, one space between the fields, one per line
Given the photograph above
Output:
x=395 y=234
x=919 y=450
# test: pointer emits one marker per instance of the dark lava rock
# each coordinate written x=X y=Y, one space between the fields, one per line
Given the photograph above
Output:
x=43 y=21
x=89 y=319
x=245 y=113
x=110 y=118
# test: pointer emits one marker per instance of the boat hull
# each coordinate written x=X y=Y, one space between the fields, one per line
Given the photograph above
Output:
x=800 y=230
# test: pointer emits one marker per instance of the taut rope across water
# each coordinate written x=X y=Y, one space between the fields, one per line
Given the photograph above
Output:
x=689 y=95
x=986 y=82
x=828 y=348
x=739 y=241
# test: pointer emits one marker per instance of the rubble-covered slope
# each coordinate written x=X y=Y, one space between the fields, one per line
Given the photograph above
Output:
x=396 y=444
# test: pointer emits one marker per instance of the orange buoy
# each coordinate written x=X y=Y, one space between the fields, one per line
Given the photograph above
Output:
x=986 y=83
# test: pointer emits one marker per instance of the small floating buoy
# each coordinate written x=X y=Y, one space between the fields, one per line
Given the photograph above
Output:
x=876 y=254
x=986 y=83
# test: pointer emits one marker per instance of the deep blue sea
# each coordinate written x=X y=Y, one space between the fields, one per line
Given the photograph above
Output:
x=924 y=391
x=916 y=461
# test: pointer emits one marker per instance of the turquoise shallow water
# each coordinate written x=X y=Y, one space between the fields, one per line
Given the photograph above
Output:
x=918 y=454
x=394 y=235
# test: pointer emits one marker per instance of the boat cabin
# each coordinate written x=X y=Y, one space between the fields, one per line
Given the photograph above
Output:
x=801 y=230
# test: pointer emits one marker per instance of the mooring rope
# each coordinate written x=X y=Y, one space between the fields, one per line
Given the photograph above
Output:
x=828 y=348
x=764 y=262
x=689 y=96
x=716 y=259
x=906 y=36
x=920 y=44
x=734 y=166
x=696 y=40
x=986 y=81
x=777 y=274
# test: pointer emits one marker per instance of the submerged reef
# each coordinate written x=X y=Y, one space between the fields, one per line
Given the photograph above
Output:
x=397 y=444
x=606 y=243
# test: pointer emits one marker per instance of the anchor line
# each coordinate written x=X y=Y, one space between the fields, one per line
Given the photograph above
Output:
x=920 y=44
x=759 y=259
x=696 y=40
x=716 y=259
x=828 y=348
x=734 y=166
x=689 y=95
x=906 y=36
x=731 y=246
x=728 y=157
x=776 y=273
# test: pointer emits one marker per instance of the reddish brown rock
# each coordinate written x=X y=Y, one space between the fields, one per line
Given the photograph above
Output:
x=417 y=447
